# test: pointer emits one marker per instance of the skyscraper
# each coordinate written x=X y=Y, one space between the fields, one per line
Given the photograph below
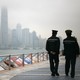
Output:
x=35 y=40
x=4 y=28
x=14 y=39
x=19 y=34
x=26 y=38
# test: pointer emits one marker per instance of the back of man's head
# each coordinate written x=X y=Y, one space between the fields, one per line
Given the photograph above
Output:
x=54 y=32
x=68 y=32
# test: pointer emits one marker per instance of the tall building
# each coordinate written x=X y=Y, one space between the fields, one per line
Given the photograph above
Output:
x=0 y=35
x=26 y=38
x=14 y=39
x=35 y=40
x=40 y=41
x=19 y=35
x=31 y=40
x=4 y=28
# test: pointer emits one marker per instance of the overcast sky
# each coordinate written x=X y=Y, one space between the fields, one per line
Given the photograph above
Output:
x=44 y=15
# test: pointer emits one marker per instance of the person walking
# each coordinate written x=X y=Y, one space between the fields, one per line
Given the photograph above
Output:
x=53 y=46
x=71 y=51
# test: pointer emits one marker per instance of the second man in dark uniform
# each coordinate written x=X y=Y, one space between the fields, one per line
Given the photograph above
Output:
x=71 y=51
x=53 y=46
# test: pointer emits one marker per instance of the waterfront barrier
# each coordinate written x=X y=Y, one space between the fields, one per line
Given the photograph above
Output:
x=7 y=62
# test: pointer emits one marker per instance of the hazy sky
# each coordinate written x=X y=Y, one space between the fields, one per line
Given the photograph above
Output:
x=44 y=15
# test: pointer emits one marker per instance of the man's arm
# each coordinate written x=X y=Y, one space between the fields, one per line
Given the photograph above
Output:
x=77 y=47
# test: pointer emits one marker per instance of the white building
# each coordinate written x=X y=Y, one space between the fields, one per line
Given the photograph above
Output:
x=14 y=39
x=26 y=38
x=4 y=28
x=19 y=35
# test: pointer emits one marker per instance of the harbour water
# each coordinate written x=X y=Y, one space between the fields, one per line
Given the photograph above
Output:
x=22 y=51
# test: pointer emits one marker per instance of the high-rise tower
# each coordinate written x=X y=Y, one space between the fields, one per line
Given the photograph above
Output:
x=19 y=35
x=4 y=28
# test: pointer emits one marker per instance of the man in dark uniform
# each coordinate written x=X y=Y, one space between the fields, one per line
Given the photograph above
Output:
x=71 y=51
x=53 y=46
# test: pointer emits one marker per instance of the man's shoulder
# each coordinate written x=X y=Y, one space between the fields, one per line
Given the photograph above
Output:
x=64 y=39
x=70 y=38
x=49 y=38
x=57 y=37
x=73 y=37
x=52 y=39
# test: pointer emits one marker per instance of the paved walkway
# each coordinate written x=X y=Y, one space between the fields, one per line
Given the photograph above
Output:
x=39 y=71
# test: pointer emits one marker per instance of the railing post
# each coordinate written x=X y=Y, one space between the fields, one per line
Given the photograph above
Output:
x=31 y=58
x=46 y=55
x=43 y=56
x=37 y=57
x=9 y=62
x=23 y=59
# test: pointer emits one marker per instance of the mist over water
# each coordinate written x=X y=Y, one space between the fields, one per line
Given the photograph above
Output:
x=15 y=52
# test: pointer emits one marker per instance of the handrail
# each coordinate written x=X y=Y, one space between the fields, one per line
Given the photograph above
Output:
x=13 y=61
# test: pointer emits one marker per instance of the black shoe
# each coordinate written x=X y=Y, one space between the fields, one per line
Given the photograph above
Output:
x=57 y=74
x=52 y=74
x=72 y=76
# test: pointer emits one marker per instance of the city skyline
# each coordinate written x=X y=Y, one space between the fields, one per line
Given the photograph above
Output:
x=17 y=38
x=23 y=39
x=44 y=15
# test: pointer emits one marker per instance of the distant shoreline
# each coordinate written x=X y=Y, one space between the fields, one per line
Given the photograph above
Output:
x=20 y=51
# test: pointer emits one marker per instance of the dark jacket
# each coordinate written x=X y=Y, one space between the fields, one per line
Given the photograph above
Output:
x=53 y=44
x=71 y=47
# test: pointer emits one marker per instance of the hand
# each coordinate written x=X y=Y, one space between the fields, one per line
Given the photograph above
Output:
x=53 y=52
x=62 y=55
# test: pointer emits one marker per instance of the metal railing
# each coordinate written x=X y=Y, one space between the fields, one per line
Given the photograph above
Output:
x=7 y=62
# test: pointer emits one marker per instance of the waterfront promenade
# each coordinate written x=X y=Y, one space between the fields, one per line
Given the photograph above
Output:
x=39 y=71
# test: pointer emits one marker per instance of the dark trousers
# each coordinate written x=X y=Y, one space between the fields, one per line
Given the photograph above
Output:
x=70 y=62
x=54 y=62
